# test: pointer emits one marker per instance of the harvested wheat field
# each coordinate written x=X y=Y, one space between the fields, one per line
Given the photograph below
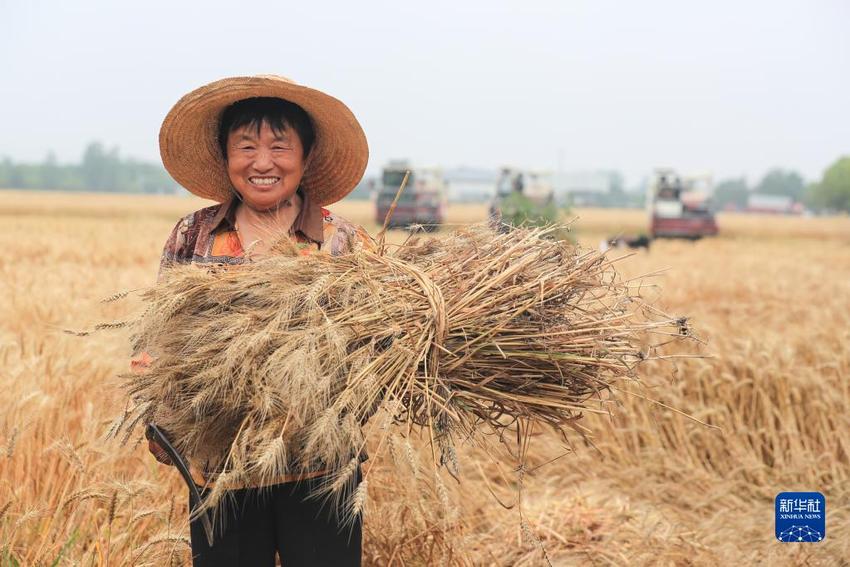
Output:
x=767 y=409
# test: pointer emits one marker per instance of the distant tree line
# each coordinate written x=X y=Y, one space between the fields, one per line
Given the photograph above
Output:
x=105 y=170
x=833 y=190
x=831 y=193
x=99 y=170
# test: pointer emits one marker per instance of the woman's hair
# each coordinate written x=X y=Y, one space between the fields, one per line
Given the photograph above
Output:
x=279 y=114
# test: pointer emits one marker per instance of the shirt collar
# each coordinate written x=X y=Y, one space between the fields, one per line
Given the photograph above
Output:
x=309 y=221
x=225 y=218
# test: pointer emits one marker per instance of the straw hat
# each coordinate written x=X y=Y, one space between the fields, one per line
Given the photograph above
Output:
x=188 y=139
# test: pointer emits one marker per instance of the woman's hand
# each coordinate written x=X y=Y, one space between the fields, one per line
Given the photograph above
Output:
x=139 y=365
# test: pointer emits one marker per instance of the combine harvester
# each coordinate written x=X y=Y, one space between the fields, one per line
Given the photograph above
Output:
x=522 y=197
x=423 y=201
x=680 y=206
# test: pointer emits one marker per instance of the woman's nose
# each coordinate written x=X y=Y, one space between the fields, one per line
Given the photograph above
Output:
x=263 y=160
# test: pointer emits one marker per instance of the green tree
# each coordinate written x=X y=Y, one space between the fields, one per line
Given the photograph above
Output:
x=102 y=171
x=833 y=191
x=6 y=172
x=99 y=171
x=17 y=177
x=93 y=166
x=617 y=183
x=785 y=183
x=51 y=174
x=731 y=192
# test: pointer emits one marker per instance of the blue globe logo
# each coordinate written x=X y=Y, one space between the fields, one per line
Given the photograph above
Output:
x=800 y=533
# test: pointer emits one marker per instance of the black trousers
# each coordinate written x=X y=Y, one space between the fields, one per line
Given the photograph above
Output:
x=254 y=525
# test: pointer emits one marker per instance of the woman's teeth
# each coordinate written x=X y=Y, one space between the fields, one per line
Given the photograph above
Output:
x=264 y=180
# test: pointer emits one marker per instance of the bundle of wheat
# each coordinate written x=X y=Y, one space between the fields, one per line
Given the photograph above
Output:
x=273 y=366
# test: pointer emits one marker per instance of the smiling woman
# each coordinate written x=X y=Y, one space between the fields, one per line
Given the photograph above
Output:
x=272 y=153
x=266 y=141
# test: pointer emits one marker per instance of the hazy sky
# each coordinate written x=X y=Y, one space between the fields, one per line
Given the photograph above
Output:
x=733 y=87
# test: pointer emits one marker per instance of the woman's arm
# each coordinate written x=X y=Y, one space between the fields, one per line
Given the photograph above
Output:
x=172 y=252
x=139 y=365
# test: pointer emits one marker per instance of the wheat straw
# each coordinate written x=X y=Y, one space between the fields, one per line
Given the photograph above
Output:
x=273 y=367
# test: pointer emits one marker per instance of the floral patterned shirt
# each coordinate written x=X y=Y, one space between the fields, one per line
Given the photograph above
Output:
x=209 y=235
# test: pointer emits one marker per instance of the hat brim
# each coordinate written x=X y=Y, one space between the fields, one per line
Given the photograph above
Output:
x=188 y=139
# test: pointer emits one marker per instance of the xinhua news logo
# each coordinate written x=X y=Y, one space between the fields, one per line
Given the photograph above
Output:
x=800 y=517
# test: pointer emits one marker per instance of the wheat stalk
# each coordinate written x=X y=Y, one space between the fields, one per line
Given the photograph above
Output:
x=272 y=367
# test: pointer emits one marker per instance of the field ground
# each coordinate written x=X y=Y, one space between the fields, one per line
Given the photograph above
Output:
x=770 y=296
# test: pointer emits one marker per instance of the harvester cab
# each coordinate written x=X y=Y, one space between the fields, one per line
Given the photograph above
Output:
x=680 y=206
x=522 y=197
x=422 y=202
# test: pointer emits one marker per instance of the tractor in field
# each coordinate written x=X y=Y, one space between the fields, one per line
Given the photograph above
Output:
x=522 y=198
x=422 y=202
x=680 y=206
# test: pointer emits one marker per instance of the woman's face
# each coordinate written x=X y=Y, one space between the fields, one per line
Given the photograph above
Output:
x=267 y=168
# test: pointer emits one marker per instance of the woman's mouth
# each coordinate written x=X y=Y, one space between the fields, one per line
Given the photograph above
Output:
x=263 y=181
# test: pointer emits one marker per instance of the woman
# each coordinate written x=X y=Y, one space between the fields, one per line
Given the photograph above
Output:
x=272 y=153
